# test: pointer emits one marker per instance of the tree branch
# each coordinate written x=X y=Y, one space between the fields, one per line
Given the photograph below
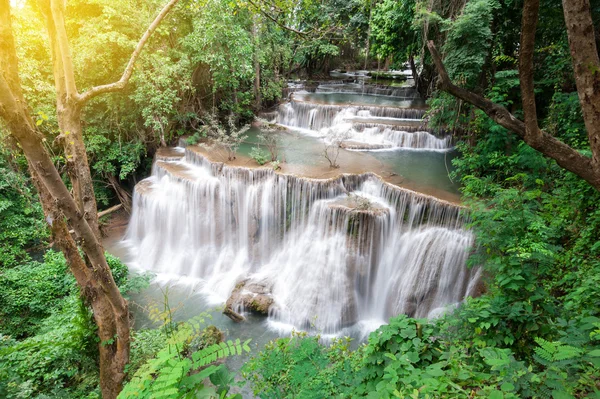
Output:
x=121 y=83
x=272 y=18
x=57 y=9
x=548 y=145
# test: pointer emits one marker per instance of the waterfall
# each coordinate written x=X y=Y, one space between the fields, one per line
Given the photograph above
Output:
x=389 y=137
x=361 y=127
x=369 y=89
x=313 y=116
x=333 y=253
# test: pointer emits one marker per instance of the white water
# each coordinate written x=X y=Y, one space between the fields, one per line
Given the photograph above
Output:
x=329 y=262
x=362 y=88
x=389 y=128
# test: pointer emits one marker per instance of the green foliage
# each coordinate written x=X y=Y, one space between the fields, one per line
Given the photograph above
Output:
x=114 y=158
x=31 y=292
x=159 y=91
x=221 y=38
x=392 y=32
x=195 y=138
x=259 y=156
x=58 y=362
x=48 y=341
x=428 y=359
x=301 y=367
x=468 y=41
x=22 y=224
x=177 y=371
x=565 y=120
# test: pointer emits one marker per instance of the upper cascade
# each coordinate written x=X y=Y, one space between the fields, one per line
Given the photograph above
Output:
x=340 y=111
x=331 y=253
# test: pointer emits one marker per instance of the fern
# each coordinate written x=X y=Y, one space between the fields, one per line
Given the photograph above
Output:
x=172 y=374
x=551 y=352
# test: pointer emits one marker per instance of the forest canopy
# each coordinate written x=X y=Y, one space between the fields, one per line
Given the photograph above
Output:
x=92 y=92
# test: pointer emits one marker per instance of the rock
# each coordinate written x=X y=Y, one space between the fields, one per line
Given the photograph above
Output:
x=249 y=295
x=238 y=318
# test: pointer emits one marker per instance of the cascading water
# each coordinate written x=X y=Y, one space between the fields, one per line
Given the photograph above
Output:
x=312 y=116
x=391 y=126
x=372 y=90
x=332 y=253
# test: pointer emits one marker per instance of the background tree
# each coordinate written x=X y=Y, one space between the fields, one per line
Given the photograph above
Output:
x=585 y=61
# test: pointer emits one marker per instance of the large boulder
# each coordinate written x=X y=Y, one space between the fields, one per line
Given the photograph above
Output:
x=248 y=295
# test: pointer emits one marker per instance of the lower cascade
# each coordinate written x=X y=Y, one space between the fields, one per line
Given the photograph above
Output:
x=316 y=254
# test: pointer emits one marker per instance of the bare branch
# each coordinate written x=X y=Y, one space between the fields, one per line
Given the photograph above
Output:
x=121 y=83
x=272 y=18
x=548 y=145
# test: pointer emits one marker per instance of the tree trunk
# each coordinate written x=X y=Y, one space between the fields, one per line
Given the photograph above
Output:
x=68 y=110
x=111 y=363
x=69 y=122
x=368 y=36
x=413 y=70
x=582 y=42
x=124 y=196
x=256 y=60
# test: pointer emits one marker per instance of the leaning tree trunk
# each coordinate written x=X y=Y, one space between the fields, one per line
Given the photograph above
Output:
x=111 y=360
x=122 y=194
x=79 y=212
x=110 y=309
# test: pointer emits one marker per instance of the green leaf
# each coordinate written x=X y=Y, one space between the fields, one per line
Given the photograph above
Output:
x=507 y=387
x=496 y=395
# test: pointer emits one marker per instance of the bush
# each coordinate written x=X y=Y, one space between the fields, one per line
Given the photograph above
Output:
x=59 y=362
x=48 y=341
x=22 y=224
x=31 y=292
x=259 y=156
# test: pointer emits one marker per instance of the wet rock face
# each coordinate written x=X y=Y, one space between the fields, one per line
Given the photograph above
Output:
x=250 y=296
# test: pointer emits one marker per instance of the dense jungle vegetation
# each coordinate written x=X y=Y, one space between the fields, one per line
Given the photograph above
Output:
x=535 y=331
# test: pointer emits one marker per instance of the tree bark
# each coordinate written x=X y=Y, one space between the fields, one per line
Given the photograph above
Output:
x=111 y=372
x=584 y=54
x=529 y=26
x=413 y=70
x=588 y=85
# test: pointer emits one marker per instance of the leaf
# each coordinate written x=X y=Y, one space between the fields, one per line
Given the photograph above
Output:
x=507 y=387
x=556 y=394
x=435 y=372
x=221 y=377
x=496 y=395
